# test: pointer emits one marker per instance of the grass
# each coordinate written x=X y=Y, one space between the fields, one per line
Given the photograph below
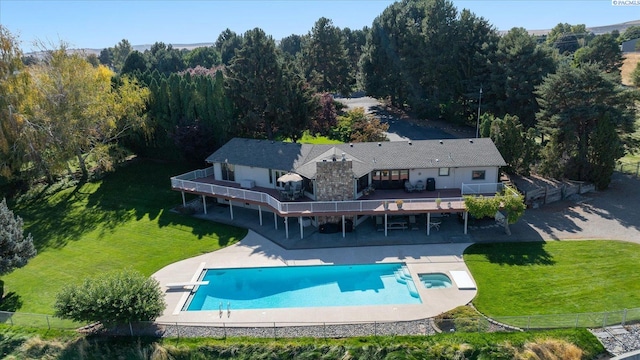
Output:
x=628 y=65
x=17 y=342
x=120 y=221
x=317 y=140
x=520 y=279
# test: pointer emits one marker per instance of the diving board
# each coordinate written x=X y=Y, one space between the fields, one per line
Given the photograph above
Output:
x=186 y=284
x=463 y=280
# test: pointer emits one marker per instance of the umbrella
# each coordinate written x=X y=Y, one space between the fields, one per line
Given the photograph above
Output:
x=293 y=177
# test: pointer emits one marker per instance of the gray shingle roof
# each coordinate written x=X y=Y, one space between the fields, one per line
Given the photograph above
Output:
x=366 y=157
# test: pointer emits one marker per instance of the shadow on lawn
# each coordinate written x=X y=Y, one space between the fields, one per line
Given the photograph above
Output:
x=136 y=192
x=524 y=253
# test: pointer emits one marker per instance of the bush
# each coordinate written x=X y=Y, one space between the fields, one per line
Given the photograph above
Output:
x=112 y=299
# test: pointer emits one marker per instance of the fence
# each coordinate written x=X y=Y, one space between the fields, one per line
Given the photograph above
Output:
x=629 y=168
x=277 y=330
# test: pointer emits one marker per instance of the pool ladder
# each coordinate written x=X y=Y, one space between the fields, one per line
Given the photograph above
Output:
x=228 y=309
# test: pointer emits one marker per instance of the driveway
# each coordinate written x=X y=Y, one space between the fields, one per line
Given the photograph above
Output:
x=403 y=129
x=610 y=214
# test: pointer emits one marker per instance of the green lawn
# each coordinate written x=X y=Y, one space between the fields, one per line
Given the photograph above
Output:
x=317 y=140
x=560 y=277
x=121 y=221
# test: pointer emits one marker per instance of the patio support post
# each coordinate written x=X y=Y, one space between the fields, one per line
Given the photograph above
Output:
x=343 y=230
x=260 y=214
x=385 y=224
x=428 y=223
x=301 y=227
x=286 y=227
x=466 y=218
x=275 y=220
x=231 y=209
x=204 y=204
x=184 y=202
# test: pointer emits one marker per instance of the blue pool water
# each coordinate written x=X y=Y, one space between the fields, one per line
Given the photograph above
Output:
x=435 y=281
x=304 y=286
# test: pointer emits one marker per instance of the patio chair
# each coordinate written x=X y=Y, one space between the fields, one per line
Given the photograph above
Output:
x=420 y=185
x=412 y=222
x=435 y=225
x=408 y=187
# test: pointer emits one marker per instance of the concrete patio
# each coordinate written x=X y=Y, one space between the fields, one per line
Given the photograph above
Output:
x=257 y=251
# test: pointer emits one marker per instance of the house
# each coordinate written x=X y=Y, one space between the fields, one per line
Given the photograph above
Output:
x=347 y=181
x=630 y=46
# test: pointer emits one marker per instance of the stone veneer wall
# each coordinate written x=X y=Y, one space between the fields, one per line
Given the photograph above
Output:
x=334 y=182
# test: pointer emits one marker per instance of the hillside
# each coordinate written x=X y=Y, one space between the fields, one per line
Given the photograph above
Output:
x=630 y=62
x=595 y=29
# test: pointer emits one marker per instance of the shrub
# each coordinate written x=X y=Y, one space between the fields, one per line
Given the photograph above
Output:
x=112 y=299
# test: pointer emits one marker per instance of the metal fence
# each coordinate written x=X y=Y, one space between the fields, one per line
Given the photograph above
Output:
x=277 y=330
x=36 y=321
x=629 y=168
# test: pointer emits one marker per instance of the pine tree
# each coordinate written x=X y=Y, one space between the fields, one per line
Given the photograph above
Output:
x=15 y=248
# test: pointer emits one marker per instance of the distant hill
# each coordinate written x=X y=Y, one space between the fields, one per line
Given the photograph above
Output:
x=597 y=30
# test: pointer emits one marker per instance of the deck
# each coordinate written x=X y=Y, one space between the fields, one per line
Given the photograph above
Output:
x=379 y=202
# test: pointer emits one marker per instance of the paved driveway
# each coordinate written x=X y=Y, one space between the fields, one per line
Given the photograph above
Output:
x=610 y=214
x=399 y=129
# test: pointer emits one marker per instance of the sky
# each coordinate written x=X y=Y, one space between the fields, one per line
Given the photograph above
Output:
x=103 y=23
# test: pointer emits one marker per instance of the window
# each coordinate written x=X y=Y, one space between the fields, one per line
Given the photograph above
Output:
x=277 y=175
x=477 y=175
x=228 y=172
x=363 y=183
x=443 y=172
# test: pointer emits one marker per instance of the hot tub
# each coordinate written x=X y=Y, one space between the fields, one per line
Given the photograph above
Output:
x=435 y=280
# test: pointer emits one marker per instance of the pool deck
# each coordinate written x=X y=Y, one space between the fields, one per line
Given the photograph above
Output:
x=257 y=251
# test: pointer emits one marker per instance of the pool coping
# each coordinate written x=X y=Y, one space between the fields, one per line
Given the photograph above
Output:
x=256 y=251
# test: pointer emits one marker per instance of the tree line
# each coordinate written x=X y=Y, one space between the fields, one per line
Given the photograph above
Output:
x=552 y=104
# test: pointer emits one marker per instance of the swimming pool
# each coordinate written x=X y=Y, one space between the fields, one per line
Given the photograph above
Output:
x=304 y=286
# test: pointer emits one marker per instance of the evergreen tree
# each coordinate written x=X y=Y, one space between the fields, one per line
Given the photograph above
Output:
x=134 y=62
x=325 y=59
x=519 y=65
x=227 y=44
x=253 y=78
x=291 y=45
x=15 y=248
x=573 y=102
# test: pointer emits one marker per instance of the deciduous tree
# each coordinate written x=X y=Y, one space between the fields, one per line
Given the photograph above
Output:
x=78 y=109
x=517 y=146
x=602 y=50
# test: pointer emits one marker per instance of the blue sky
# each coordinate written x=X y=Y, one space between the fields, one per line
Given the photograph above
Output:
x=100 y=24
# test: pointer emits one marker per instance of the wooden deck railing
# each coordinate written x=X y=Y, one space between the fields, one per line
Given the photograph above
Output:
x=188 y=182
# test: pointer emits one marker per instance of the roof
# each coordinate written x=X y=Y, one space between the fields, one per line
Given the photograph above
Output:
x=366 y=157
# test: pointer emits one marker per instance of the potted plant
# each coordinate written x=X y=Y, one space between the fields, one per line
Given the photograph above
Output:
x=438 y=201
x=399 y=203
